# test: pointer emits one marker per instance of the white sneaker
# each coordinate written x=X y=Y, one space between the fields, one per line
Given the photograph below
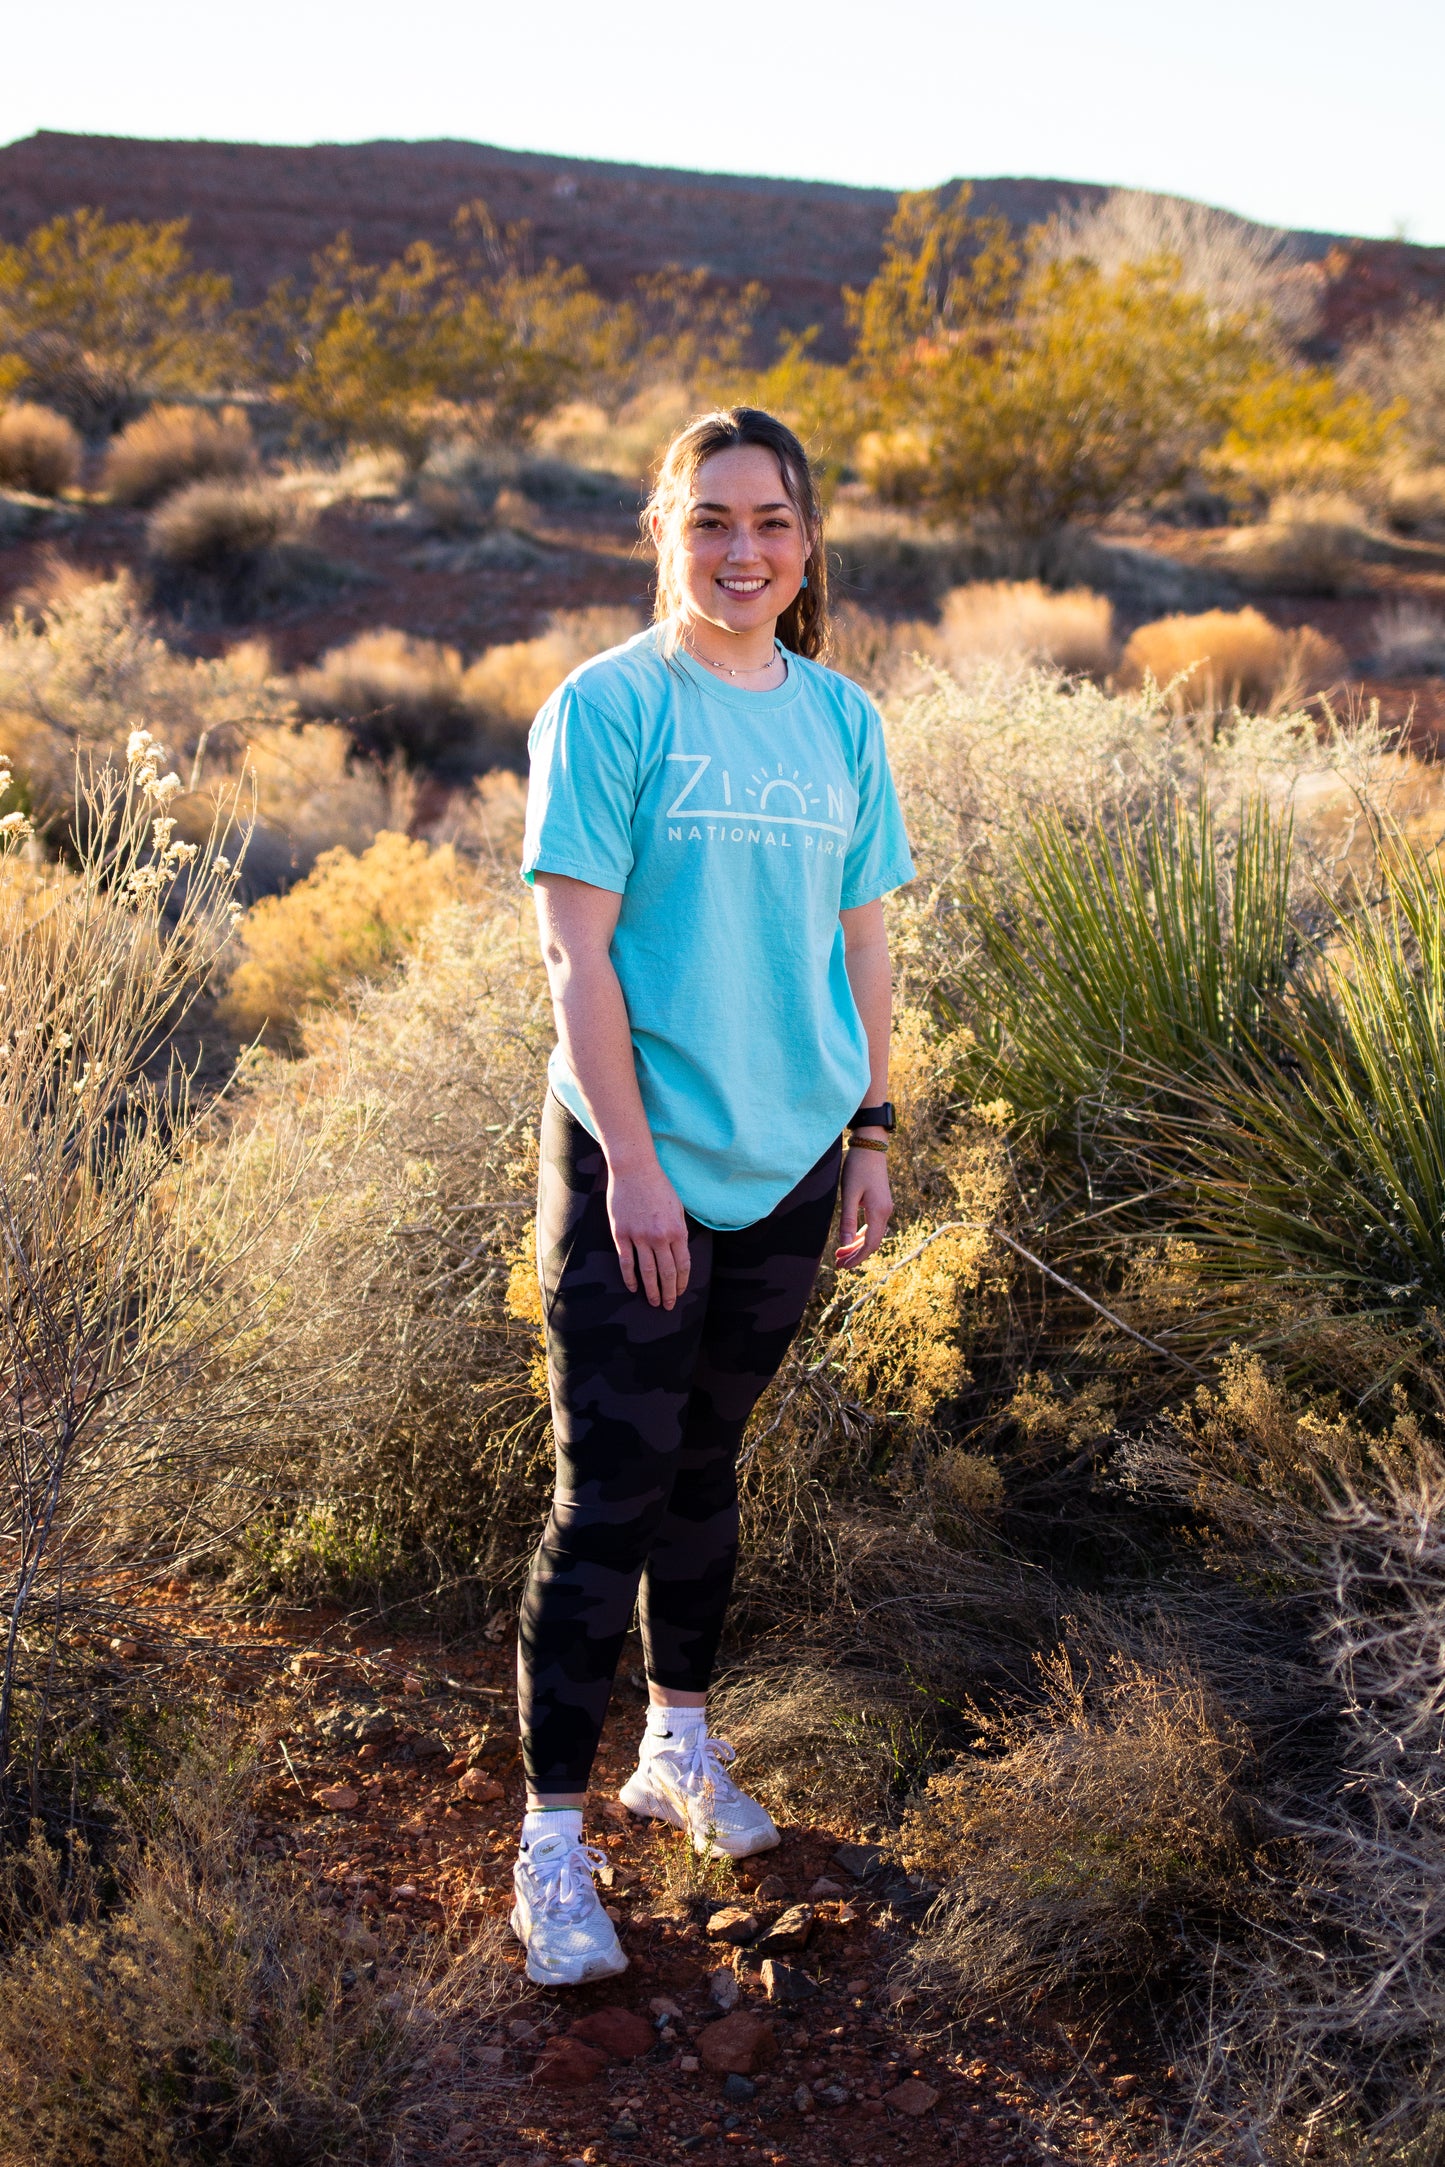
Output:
x=558 y=1915
x=688 y=1785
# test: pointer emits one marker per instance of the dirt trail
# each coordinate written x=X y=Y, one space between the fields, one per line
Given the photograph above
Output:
x=391 y=1785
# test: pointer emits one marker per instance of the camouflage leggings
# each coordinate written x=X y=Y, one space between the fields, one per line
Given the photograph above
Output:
x=648 y=1407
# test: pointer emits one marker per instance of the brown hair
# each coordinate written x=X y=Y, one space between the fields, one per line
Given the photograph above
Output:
x=803 y=625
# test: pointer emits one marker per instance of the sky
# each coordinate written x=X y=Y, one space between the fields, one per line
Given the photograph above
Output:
x=1328 y=116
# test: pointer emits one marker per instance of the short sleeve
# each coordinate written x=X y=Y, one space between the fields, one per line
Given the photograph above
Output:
x=581 y=793
x=878 y=859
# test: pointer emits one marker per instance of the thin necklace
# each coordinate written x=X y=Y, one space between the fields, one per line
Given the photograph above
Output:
x=757 y=671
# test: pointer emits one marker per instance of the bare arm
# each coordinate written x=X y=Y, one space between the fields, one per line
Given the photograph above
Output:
x=576 y=922
x=867 y=1198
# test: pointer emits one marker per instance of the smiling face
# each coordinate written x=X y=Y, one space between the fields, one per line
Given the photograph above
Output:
x=741 y=548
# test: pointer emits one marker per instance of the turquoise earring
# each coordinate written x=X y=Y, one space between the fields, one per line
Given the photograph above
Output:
x=805 y=579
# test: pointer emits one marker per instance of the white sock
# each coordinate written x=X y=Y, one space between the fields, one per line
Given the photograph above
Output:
x=672 y=1726
x=551 y=1821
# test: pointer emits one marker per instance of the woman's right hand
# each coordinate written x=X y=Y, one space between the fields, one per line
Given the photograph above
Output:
x=650 y=1231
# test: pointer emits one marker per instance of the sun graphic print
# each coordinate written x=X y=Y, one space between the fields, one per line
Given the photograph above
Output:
x=785 y=792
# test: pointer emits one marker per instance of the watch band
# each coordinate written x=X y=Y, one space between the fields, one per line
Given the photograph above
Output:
x=875 y=1117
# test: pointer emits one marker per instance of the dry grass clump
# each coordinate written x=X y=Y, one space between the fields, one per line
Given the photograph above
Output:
x=40 y=451
x=508 y=684
x=216 y=2010
x=1006 y=619
x=1079 y=1832
x=1310 y=544
x=394 y=692
x=173 y=445
x=1415 y=502
x=1409 y=640
x=350 y=918
x=1230 y=658
x=232 y=547
x=817 y=1739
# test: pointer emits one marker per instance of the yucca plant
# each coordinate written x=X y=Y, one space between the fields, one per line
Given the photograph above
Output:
x=1109 y=967
x=1321 y=1163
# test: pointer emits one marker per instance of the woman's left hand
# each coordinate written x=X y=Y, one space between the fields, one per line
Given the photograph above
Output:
x=867 y=1206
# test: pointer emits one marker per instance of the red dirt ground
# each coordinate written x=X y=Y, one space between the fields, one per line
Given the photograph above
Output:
x=414 y=1859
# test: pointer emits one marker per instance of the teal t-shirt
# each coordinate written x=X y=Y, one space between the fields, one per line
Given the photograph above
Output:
x=735 y=826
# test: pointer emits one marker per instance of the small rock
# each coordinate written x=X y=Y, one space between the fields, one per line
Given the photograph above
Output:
x=1122 y=2083
x=428 y=1745
x=833 y=2095
x=127 y=1650
x=722 y=1985
x=803 y=2099
x=733 y=1924
x=525 y=2034
x=791 y=1931
x=625 y=2129
x=664 y=2008
x=375 y=1726
x=490 y=2058
x=460 y=2133
x=618 y=2033
x=738 y=2089
x=854 y=1987
x=361 y=1939
x=614 y=1810
x=912 y=2096
x=404 y=1893
x=413 y=1687
x=823 y=1888
x=772 y=1889
x=785 y=1983
x=738 y=2045
x=446 y=2059
x=569 y=2063
x=301 y=1665
x=481 y=1790
x=337 y=1798
x=859 y=1859
x=688 y=2064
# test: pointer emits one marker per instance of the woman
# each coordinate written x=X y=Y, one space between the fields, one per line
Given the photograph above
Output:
x=711 y=827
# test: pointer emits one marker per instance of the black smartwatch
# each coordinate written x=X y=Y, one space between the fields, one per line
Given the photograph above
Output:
x=875 y=1117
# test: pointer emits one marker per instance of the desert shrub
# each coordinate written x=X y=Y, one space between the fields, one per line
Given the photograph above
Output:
x=1415 y=502
x=1405 y=360
x=992 y=621
x=1230 y=658
x=93 y=669
x=173 y=445
x=107 y=1422
x=100 y=318
x=350 y=918
x=213 y=2008
x=417 y=1460
x=508 y=684
x=312 y=794
x=1409 y=640
x=1240 y=268
x=1301 y=430
x=394 y=692
x=40 y=450
x=629 y=442
x=1078 y=1833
